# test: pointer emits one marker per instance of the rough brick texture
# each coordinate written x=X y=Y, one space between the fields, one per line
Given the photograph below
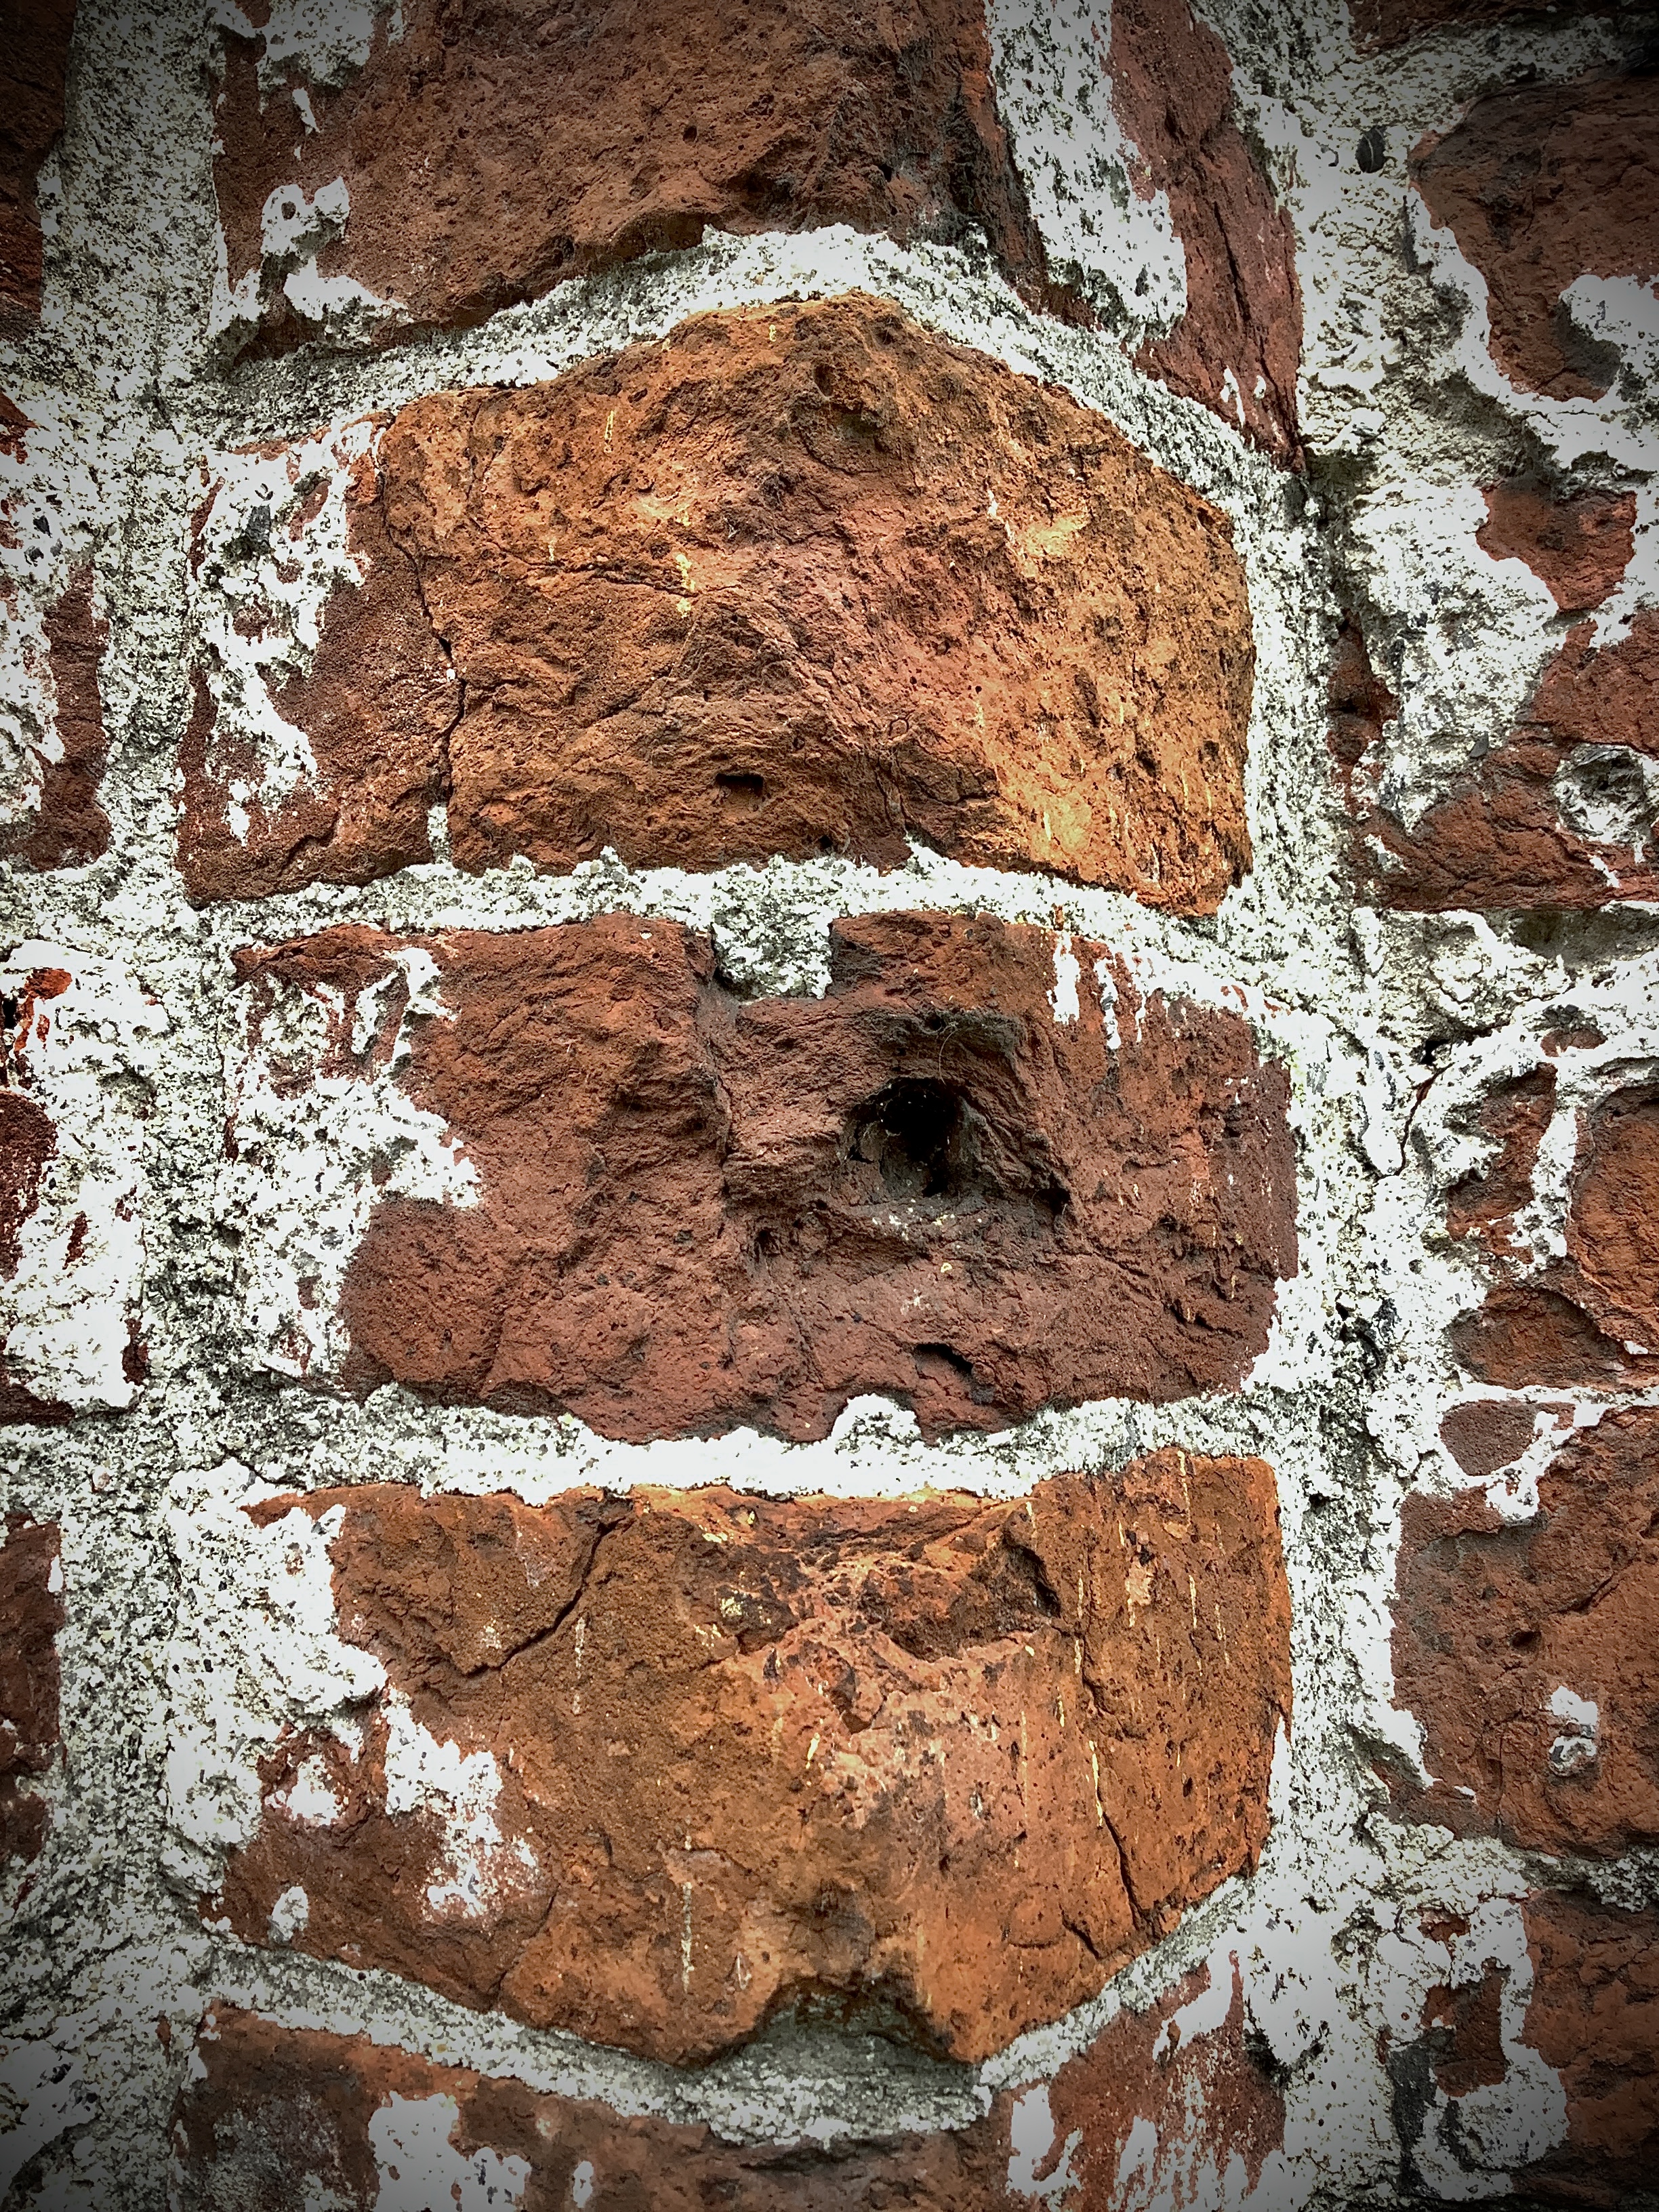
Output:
x=800 y=579
x=571 y=140
x=1594 y=2016
x=1238 y=346
x=76 y=1039
x=943 y=1182
x=1525 y=1649
x=1542 y=184
x=277 y=2116
x=33 y=67
x=936 y=1759
x=31 y=1615
x=1579 y=545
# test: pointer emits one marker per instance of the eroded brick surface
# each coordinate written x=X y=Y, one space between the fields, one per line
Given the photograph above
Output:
x=1525 y=1649
x=1543 y=184
x=716 y=1755
x=281 y=2116
x=77 y=1042
x=1237 y=347
x=33 y=64
x=982 y=1175
x=1594 y=2016
x=802 y=579
x=31 y=1616
x=1561 y=814
x=1516 y=1114
x=570 y=139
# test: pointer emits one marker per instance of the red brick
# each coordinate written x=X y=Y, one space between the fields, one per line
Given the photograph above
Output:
x=31 y=1616
x=936 y=1758
x=1171 y=82
x=1540 y=185
x=1484 y=1434
x=1171 y=2106
x=569 y=141
x=275 y=2116
x=1561 y=813
x=1382 y=23
x=1517 y=1115
x=33 y=60
x=802 y=579
x=1595 y=2017
x=1493 y=1619
x=1579 y=545
x=925 y=1183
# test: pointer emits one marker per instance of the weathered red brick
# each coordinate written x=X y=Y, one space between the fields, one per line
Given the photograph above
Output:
x=376 y=703
x=804 y=579
x=1594 y=2015
x=1483 y=1434
x=30 y=1617
x=1494 y=1620
x=1613 y=1222
x=33 y=62
x=1381 y=23
x=277 y=2116
x=567 y=140
x=1541 y=185
x=51 y=816
x=1171 y=2106
x=1527 y=1335
x=1580 y=545
x=1238 y=347
x=927 y=1183
x=1484 y=1203
x=1562 y=813
x=933 y=1758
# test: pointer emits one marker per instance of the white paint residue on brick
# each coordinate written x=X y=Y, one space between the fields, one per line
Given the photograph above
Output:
x=1068 y=973
x=289 y=1915
x=1035 y=2171
x=302 y=1187
x=425 y=1774
x=422 y=2171
x=1102 y=226
x=72 y=1309
x=264 y=569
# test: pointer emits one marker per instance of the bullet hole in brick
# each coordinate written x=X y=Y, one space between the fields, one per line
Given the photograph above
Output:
x=921 y=1137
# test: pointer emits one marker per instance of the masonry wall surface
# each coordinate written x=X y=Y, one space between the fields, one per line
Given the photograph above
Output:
x=828 y=1105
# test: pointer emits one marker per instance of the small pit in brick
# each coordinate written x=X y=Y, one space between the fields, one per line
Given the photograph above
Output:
x=741 y=794
x=924 y=1140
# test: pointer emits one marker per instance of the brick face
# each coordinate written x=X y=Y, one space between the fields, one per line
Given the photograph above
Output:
x=801 y=580
x=1594 y=2016
x=1541 y=185
x=1579 y=545
x=945 y=1759
x=1524 y=1649
x=949 y=1184
x=271 y=2111
x=31 y=1616
x=570 y=141
x=33 y=64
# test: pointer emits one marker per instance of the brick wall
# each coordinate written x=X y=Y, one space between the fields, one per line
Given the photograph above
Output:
x=828 y=1105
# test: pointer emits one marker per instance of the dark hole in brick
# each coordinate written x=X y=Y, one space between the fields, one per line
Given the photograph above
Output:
x=921 y=1137
x=744 y=794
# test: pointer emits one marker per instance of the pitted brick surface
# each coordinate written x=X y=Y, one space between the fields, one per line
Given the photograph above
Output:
x=1579 y=545
x=1594 y=2015
x=570 y=140
x=1495 y=1619
x=693 y=1213
x=799 y=580
x=31 y=1616
x=934 y=1758
x=1542 y=184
